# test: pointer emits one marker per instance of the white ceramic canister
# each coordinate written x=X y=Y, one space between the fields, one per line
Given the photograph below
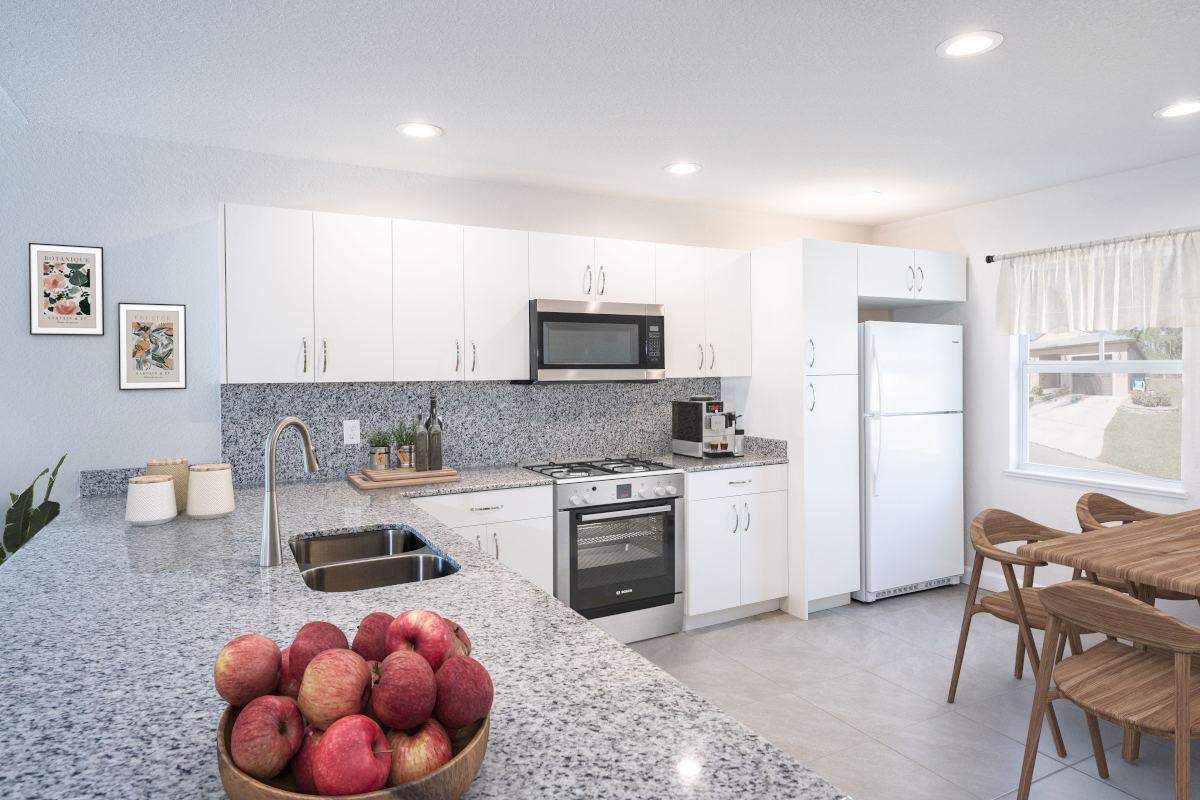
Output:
x=150 y=500
x=177 y=468
x=210 y=491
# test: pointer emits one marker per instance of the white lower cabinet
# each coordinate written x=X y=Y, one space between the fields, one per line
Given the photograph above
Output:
x=736 y=543
x=527 y=547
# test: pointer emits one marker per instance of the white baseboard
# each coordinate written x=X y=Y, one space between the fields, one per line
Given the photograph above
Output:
x=828 y=602
x=729 y=615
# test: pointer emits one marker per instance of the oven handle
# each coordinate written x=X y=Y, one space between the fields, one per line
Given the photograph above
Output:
x=629 y=512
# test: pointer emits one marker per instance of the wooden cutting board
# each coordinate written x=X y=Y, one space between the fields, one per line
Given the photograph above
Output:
x=393 y=478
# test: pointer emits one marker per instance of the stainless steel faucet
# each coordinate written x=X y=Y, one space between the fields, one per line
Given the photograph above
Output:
x=268 y=553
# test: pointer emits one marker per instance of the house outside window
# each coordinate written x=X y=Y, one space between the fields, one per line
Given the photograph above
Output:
x=1102 y=406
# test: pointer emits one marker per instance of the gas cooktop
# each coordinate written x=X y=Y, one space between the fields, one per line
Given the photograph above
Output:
x=599 y=468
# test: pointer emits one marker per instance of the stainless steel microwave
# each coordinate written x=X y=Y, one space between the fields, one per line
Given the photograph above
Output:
x=571 y=340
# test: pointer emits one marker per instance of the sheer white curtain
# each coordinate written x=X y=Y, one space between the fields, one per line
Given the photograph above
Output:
x=1132 y=283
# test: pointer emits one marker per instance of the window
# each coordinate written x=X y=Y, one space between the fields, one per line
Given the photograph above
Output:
x=1102 y=406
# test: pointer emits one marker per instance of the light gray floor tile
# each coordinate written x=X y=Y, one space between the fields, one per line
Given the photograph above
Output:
x=722 y=680
x=674 y=649
x=789 y=661
x=927 y=674
x=858 y=643
x=968 y=754
x=875 y=772
x=1151 y=777
x=871 y=703
x=799 y=727
x=1068 y=784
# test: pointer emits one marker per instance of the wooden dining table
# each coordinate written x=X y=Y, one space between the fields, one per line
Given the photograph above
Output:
x=1163 y=552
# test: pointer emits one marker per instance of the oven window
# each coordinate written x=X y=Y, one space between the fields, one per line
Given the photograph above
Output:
x=620 y=560
x=567 y=343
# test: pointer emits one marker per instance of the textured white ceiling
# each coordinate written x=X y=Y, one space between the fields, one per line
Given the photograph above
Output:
x=790 y=106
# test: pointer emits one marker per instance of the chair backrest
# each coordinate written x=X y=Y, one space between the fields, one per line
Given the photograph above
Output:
x=993 y=526
x=1094 y=510
x=1098 y=608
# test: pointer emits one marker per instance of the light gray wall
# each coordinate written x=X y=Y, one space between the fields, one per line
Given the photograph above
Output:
x=153 y=207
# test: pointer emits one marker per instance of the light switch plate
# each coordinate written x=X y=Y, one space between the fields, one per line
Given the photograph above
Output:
x=351 y=432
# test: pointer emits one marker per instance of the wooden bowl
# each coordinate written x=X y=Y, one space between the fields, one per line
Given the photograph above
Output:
x=447 y=783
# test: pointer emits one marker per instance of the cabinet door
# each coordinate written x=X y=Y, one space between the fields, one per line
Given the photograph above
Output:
x=478 y=535
x=269 y=295
x=727 y=312
x=496 y=276
x=679 y=287
x=763 y=546
x=352 y=286
x=831 y=475
x=941 y=276
x=527 y=547
x=427 y=301
x=885 y=272
x=624 y=271
x=830 y=308
x=562 y=267
x=713 y=580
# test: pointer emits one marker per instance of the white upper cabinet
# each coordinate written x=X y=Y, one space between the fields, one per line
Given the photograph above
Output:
x=624 y=271
x=496 y=277
x=727 y=313
x=562 y=267
x=885 y=272
x=940 y=276
x=269 y=295
x=830 y=308
x=679 y=286
x=427 y=301
x=352 y=287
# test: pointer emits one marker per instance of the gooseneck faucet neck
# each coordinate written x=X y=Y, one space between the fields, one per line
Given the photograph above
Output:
x=269 y=550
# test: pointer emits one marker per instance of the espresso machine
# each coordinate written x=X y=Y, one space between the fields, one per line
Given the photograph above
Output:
x=703 y=427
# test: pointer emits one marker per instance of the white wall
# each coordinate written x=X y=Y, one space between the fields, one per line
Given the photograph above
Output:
x=1144 y=200
x=153 y=207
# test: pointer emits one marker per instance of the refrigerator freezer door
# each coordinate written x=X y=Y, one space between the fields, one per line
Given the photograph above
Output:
x=910 y=368
x=913 y=507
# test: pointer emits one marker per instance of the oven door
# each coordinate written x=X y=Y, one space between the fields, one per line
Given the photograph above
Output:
x=621 y=557
x=573 y=341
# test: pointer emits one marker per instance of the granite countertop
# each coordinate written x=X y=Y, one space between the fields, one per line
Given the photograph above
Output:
x=111 y=632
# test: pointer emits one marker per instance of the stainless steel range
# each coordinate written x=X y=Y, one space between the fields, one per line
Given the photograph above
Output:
x=618 y=548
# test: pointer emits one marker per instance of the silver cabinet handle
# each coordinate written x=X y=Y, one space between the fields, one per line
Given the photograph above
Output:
x=304 y=371
x=741 y=483
x=712 y=356
x=487 y=508
x=912 y=278
x=324 y=356
x=746 y=528
x=478 y=541
x=474 y=356
x=812 y=395
x=457 y=356
x=496 y=541
x=737 y=518
x=603 y=280
x=812 y=353
x=920 y=279
x=700 y=347
x=587 y=279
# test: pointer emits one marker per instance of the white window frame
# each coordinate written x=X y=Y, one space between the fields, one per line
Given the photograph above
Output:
x=1022 y=467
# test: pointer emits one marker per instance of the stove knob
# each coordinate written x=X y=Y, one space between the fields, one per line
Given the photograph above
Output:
x=587 y=499
x=659 y=491
x=671 y=490
x=575 y=500
x=641 y=492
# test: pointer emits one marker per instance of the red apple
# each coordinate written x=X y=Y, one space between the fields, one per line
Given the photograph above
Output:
x=422 y=631
x=352 y=757
x=289 y=681
x=266 y=734
x=464 y=692
x=336 y=684
x=370 y=641
x=406 y=691
x=313 y=638
x=246 y=668
x=462 y=645
x=302 y=764
x=417 y=754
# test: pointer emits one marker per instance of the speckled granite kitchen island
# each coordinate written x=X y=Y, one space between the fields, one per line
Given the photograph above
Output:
x=111 y=631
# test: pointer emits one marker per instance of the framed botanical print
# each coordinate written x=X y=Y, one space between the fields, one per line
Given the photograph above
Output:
x=66 y=289
x=153 y=346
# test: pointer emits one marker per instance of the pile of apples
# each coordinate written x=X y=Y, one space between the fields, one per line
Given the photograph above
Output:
x=321 y=705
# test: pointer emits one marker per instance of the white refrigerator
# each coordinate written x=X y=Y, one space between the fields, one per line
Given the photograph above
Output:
x=912 y=457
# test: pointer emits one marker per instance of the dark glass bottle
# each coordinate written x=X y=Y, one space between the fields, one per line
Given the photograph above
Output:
x=435 y=435
x=421 y=447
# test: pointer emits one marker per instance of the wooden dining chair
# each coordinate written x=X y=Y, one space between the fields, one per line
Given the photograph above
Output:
x=1020 y=605
x=1144 y=686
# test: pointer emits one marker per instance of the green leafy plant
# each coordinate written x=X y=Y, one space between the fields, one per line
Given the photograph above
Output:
x=403 y=434
x=379 y=439
x=23 y=519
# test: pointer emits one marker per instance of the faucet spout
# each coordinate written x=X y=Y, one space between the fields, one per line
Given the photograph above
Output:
x=269 y=549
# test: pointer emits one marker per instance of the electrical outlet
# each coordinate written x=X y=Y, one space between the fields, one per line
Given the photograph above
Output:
x=351 y=432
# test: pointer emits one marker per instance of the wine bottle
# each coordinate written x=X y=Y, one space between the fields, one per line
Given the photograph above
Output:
x=435 y=436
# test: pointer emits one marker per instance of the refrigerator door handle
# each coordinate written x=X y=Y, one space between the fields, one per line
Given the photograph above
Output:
x=878 y=455
x=876 y=386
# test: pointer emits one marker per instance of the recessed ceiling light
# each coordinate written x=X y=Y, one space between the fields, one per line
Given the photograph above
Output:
x=970 y=44
x=1181 y=109
x=420 y=130
x=869 y=196
x=682 y=168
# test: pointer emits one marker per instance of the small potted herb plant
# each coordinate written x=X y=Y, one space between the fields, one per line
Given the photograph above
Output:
x=381 y=449
x=403 y=435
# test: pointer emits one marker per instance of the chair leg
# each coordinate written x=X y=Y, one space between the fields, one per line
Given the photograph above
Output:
x=1183 y=726
x=1041 y=704
x=1019 y=667
x=968 y=612
x=1092 y=723
x=1031 y=651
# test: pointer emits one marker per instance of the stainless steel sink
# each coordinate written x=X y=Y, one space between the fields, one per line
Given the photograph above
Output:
x=368 y=559
x=371 y=573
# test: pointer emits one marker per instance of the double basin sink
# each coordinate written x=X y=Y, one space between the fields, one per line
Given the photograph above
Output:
x=368 y=559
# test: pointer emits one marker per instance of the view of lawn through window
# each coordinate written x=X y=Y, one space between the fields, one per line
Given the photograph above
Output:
x=1110 y=401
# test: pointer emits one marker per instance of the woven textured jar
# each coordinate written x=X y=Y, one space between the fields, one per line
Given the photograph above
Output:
x=177 y=468
x=150 y=500
x=210 y=491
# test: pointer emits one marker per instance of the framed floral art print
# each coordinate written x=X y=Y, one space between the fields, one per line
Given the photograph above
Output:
x=153 y=346
x=66 y=289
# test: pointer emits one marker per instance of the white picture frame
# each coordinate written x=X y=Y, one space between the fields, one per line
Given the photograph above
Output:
x=152 y=346
x=66 y=289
